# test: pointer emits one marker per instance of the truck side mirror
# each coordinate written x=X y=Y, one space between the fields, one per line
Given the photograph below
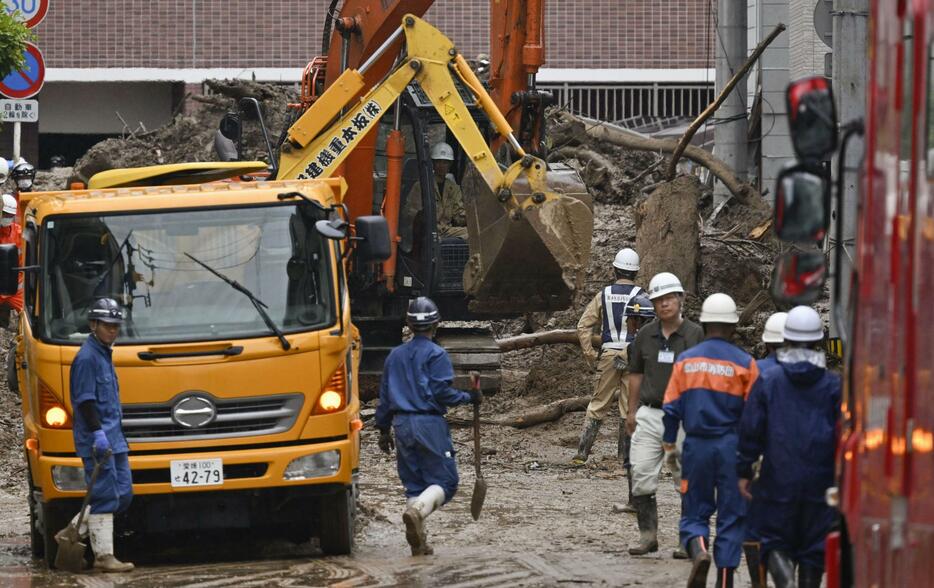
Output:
x=225 y=149
x=798 y=277
x=335 y=229
x=231 y=127
x=9 y=275
x=812 y=118
x=372 y=239
x=802 y=203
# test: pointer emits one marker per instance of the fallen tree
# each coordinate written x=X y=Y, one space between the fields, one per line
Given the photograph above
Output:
x=555 y=337
x=617 y=135
x=545 y=414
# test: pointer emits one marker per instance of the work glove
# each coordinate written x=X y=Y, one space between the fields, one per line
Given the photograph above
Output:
x=673 y=461
x=476 y=397
x=386 y=444
x=101 y=444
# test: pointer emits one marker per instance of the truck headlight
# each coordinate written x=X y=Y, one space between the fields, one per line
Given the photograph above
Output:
x=68 y=478
x=316 y=465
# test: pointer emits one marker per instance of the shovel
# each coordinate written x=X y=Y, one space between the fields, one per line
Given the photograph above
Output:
x=479 y=487
x=70 y=556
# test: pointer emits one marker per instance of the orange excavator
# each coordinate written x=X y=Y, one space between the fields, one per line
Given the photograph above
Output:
x=524 y=259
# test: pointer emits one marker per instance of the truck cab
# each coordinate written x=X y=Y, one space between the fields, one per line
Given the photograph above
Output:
x=237 y=363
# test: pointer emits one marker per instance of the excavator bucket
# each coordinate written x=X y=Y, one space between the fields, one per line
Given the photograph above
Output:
x=531 y=257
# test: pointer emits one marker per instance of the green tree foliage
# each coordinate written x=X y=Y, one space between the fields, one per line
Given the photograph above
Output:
x=13 y=37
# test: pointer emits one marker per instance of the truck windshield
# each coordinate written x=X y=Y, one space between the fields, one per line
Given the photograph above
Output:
x=140 y=260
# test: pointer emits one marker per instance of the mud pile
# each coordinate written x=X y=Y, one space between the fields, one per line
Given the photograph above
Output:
x=190 y=136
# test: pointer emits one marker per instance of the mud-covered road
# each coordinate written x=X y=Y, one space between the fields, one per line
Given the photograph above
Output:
x=544 y=524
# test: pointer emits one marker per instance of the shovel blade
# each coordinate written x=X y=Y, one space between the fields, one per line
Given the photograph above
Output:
x=70 y=556
x=479 y=495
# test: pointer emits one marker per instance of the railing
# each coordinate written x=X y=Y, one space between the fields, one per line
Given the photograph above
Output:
x=615 y=103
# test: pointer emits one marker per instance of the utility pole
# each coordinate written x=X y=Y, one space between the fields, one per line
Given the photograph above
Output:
x=850 y=56
x=730 y=141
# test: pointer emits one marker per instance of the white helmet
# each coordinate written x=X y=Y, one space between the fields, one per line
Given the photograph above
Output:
x=9 y=204
x=719 y=308
x=773 y=328
x=4 y=169
x=627 y=260
x=442 y=151
x=664 y=283
x=803 y=325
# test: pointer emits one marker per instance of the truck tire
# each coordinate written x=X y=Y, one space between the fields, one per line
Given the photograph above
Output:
x=36 y=540
x=11 y=381
x=336 y=516
x=53 y=520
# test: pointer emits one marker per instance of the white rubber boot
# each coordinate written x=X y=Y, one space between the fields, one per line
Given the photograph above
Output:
x=414 y=518
x=101 y=527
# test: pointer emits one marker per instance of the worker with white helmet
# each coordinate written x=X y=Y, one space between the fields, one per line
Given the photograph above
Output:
x=706 y=392
x=790 y=420
x=4 y=170
x=606 y=314
x=11 y=233
x=651 y=357
x=449 y=202
x=773 y=338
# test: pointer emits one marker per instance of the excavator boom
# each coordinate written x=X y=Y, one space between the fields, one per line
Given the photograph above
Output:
x=529 y=229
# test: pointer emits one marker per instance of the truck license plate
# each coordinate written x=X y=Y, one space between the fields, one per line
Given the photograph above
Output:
x=197 y=472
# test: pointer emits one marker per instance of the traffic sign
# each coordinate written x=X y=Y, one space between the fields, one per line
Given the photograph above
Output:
x=19 y=111
x=31 y=11
x=26 y=82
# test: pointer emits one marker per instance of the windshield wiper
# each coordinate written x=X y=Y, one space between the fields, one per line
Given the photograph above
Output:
x=257 y=303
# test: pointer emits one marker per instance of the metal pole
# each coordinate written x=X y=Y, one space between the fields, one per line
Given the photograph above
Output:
x=730 y=137
x=17 y=140
x=850 y=55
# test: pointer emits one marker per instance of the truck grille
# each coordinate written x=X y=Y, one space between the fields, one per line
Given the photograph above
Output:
x=266 y=415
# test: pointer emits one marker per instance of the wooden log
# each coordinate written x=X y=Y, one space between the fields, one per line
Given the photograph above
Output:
x=546 y=414
x=555 y=337
x=712 y=108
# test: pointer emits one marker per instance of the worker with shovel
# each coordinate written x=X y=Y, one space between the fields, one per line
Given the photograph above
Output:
x=415 y=392
x=98 y=435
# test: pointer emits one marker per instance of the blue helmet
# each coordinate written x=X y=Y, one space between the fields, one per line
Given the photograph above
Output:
x=106 y=310
x=422 y=313
x=640 y=306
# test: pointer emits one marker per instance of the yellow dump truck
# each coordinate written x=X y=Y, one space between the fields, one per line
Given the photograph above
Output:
x=237 y=362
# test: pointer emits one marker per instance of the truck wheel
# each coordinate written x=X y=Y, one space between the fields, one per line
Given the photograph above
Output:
x=11 y=381
x=53 y=520
x=337 y=522
x=36 y=540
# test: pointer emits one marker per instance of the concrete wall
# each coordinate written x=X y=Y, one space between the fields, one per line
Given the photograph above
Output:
x=807 y=54
x=74 y=107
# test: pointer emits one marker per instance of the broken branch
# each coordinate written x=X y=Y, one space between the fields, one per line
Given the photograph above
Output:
x=546 y=414
x=555 y=337
x=689 y=134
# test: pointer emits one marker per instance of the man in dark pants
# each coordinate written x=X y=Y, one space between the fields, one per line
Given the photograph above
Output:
x=415 y=391
x=790 y=419
x=98 y=434
x=706 y=392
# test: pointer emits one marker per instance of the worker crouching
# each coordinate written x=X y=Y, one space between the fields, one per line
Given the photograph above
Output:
x=98 y=432
x=790 y=420
x=706 y=392
x=415 y=392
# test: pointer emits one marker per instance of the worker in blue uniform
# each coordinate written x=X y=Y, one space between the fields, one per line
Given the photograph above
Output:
x=98 y=434
x=773 y=338
x=790 y=419
x=415 y=392
x=708 y=386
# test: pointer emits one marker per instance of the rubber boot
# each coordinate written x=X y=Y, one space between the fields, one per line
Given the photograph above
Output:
x=754 y=562
x=680 y=553
x=647 y=514
x=414 y=517
x=697 y=550
x=782 y=569
x=101 y=530
x=588 y=436
x=724 y=578
x=809 y=577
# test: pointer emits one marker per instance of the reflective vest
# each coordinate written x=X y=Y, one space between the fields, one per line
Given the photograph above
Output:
x=615 y=299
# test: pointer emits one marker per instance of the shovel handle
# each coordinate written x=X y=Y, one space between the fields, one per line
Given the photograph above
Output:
x=87 y=495
x=475 y=381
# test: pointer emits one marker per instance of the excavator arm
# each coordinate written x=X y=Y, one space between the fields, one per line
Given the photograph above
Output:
x=529 y=240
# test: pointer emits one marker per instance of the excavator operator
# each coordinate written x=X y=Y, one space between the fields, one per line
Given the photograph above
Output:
x=449 y=202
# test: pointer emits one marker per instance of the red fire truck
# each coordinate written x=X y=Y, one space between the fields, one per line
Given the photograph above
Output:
x=885 y=491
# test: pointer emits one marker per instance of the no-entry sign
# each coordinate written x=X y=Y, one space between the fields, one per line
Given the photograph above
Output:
x=28 y=81
x=31 y=11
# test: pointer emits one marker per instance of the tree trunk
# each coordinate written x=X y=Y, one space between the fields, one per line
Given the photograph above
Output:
x=555 y=337
x=546 y=414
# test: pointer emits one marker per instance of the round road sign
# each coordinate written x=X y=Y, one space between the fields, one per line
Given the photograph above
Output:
x=28 y=81
x=31 y=11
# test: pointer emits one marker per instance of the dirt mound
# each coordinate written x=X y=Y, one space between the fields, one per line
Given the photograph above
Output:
x=190 y=137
